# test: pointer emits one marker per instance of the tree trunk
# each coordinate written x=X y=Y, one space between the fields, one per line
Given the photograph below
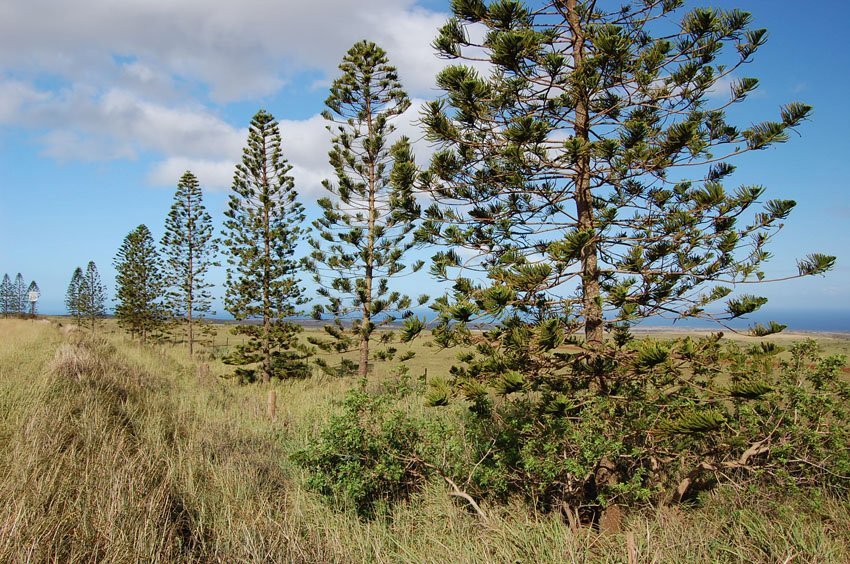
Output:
x=191 y=336
x=266 y=346
x=366 y=329
x=591 y=295
x=584 y=198
x=191 y=281
x=365 y=332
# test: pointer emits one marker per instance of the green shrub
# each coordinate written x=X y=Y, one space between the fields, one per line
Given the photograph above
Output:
x=366 y=456
x=678 y=418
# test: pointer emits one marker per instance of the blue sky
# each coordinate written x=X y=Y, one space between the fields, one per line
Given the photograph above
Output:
x=102 y=108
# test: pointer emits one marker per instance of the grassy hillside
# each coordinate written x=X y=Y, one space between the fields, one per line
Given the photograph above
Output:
x=116 y=453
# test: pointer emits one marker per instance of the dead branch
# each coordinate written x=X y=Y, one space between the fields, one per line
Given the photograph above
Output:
x=743 y=461
x=457 y=492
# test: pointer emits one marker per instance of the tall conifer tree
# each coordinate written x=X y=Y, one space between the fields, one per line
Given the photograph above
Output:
x=189 y=250
x=262 y=229
x=7 y=296
x=584 y=174
x=92 y=297
x=20 y=295
x=139 y=285
x=366 y=226
x=72 y=295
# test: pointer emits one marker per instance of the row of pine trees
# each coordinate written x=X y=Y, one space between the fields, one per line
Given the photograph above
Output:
x=14 y=297
x=582 y=177
x=580 y=183
x=85 y=298
x=357 y=246
x=511 y=182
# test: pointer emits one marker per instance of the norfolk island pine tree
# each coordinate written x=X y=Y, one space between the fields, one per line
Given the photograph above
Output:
x=72 y=295
x=92 y=296
x=190 y=250
x=568 y=171
x=262 y=229
x=583 y=174
x=139 y=284
x=7 y=299
x=368 y=219
x=20 y=294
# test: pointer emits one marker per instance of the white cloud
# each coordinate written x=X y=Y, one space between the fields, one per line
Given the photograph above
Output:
x=407 y=37
x=15 y=96
x=116 y=124
x=141 y=78
x=211 y=174
x=186 y=131
x=305 y=145
x=239 y=50
x=120 y=125
x=67 y=145
x=722 y=89
x=141 y=72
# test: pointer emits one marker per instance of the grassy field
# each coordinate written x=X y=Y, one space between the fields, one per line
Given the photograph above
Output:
x=436 y=361
x=114 y=452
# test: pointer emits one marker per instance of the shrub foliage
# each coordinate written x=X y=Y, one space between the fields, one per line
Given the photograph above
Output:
x=682 y=417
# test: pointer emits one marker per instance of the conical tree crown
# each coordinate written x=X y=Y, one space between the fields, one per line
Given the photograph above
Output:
x=20 y=294
x=189 y=250
x=72 y=295
x=367 y=221
x=261 y=232
x=7 y=296
x=139 y=283
x=92 y=295
x=263 y=226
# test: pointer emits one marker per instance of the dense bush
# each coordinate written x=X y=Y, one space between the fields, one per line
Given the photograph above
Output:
x=376 y=452
x=363 y=458
x=679 y=417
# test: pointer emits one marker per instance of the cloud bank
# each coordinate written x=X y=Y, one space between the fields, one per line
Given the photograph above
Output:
x=154 y=79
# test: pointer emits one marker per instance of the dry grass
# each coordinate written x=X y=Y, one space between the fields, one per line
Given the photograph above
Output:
x=111 y=452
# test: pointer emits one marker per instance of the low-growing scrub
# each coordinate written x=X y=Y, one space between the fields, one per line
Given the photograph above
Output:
x=680 y=417
x=366 y=456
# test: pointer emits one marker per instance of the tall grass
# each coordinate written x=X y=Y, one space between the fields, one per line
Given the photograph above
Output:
x=112 y=452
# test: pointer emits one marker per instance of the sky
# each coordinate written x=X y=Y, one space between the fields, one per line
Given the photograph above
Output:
x=103 y=105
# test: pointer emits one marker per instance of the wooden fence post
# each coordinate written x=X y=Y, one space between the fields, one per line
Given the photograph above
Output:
x=271 y=404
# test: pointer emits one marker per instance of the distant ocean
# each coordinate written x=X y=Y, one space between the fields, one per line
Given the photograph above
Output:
x=828 y=321
x=836 y=321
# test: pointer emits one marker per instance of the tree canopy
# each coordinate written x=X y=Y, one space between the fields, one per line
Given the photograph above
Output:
x=262 y=229
x=366 y=226
x=139 y=285
x=584 y=163
x=190 y=250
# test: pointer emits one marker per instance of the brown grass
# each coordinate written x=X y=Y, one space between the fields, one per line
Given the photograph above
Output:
x=112 y=452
